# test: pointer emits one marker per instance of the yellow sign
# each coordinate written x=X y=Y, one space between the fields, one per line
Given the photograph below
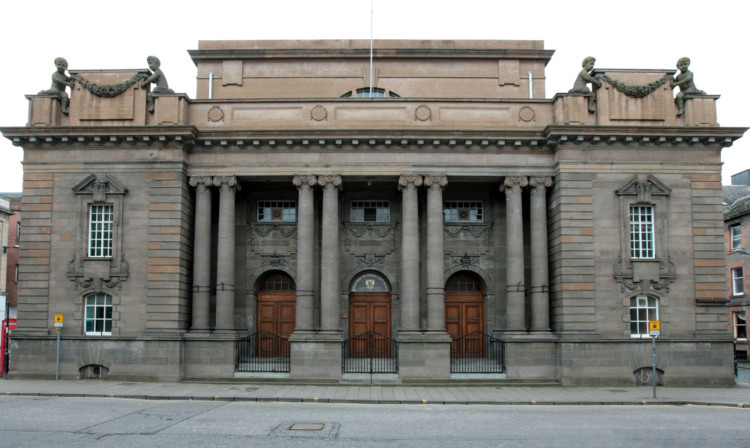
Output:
x=653 y=325
x=58 y=318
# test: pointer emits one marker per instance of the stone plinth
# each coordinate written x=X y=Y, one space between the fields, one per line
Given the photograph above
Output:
x=424 y=356
x=209 y=356
x=315 y=355
x=45 y=110
x=701 y=110
x=170 y=108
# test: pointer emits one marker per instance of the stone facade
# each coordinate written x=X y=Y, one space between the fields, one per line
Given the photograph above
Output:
x=293 y=199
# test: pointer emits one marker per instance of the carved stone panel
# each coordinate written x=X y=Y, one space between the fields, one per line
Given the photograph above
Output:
x=463 y=239
x=275 y=239
x=375 y=240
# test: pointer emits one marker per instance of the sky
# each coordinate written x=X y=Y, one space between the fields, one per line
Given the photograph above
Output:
x=120 y=35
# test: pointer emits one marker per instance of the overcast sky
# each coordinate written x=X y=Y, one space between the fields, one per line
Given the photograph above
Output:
x=626 y=34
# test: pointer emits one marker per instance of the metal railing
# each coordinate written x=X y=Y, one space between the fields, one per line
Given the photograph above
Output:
x=262 y=351
x=370 y=352
x=477 y=352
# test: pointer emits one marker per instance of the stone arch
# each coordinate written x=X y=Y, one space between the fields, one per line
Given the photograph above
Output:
x=487 y=284
x=257 y=275
x=346 y=281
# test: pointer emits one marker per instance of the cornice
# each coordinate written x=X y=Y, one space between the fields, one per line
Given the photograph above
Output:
x=364 y=53
x=70 y=135
x=657 y=135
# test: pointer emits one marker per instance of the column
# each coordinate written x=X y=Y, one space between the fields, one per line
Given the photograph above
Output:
x=305 y=262
x=225 y=255
x=515 y=287
x=539 y=254
x=435 y=253
x=330 y=319
x=409 y=252
x=202 y=253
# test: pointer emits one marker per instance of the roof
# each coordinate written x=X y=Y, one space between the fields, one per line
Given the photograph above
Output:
x=731 y=193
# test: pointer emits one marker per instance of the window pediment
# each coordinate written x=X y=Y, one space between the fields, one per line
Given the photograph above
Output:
x=644 y=187
x=100 y=187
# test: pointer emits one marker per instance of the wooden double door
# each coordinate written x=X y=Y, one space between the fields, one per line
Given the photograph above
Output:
x=369 y=312
x=464 y=322
x=277 y=313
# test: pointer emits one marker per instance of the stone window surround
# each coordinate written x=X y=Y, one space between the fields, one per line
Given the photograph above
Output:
x=79 y=316
x=98 y=272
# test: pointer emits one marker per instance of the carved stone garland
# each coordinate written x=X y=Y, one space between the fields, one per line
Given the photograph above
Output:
x=637 y=91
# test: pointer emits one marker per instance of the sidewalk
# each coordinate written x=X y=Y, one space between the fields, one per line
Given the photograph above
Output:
x=488 y=395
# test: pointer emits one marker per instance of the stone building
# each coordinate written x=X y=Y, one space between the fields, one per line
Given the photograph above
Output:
x=737 y=225
x=309 y=207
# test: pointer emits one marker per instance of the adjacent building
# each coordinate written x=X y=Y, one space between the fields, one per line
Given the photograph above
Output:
x=432 y=216
x=737 y=225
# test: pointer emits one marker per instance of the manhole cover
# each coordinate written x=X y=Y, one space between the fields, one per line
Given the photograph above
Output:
x=307 y=427
x=307 y=430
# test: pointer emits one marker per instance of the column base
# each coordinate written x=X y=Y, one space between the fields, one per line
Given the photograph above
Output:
x=424 y=355
x=315 y=354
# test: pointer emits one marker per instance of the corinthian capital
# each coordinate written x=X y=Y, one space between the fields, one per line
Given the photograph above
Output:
x=514 y=183
x=407 y=179
x=225 y=180
x=206 y=181
x=436 y=181
x=300 y=181
x=332 y=181
x=540 y=181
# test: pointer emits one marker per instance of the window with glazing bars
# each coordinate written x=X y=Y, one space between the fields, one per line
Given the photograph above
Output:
x=277 y=211
x=370 y=211
x=100 y=231
x=642 y=310
x=642 y=231
x=98 y=314
x=463 y=211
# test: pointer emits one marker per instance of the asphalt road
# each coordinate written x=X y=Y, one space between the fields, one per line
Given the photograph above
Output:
x=123 y=423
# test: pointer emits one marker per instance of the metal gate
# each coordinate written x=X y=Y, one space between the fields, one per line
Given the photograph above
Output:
x=477 y=352
x=262 y=351
x=370 y=352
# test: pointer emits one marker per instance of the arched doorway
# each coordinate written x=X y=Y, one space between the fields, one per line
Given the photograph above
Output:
x=370 y=305
x=277 y=304
x=464 y=312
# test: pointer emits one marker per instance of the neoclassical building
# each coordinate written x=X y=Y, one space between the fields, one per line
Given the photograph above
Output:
x=432 y=216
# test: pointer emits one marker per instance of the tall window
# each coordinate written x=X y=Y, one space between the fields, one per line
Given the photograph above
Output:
x=642 y=310
x=277 y=211
x=100 y=231
x=98 y=314
x=738 y=282
x=735 y=235
x=370 y=211
x=463 y=211
x=642 y=231
x=740 y=325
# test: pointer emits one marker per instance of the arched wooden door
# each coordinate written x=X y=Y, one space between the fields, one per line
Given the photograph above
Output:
x=370 y=312
x=464 y=314
x=277 y=304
